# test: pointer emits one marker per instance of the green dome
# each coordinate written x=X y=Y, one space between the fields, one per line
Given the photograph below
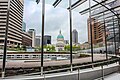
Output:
x=60 y=36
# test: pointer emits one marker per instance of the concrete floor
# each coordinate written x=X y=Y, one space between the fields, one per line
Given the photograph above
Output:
x=115 y=76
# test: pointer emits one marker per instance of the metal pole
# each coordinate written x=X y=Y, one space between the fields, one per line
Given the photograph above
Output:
x=5 y=41
x=43 y=22
x=119 y=34
x=78 y=74
x=119 y=66
x=102 y=72
x=70 y=18
x=91 y=30
x=114 y=36
x=105 y=38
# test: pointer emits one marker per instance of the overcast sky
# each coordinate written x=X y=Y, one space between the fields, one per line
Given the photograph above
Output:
x=56 y=19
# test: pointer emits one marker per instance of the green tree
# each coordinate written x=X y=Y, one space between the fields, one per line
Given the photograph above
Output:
x=53 y=48
x=67 y=48
x=38 y=48
x=24 y=47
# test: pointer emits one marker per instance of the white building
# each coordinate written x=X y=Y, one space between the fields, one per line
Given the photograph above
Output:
x=32 y=34
x=38 y=41
x=60 y=42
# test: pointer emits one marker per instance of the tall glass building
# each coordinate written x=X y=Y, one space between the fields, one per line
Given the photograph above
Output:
x=75 y=36
x=24 y=26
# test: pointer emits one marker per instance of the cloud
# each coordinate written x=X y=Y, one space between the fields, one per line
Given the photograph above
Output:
x=55 y=19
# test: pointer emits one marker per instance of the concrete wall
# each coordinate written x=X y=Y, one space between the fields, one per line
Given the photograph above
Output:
x=88 y=75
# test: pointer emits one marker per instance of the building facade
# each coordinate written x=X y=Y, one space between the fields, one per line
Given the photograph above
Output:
x=47 y=39
x=38 y=41
x=74 y=36
x=97 y=31
x=26 y=39
x=32 y=34
x=66 y=41
x=15 y=18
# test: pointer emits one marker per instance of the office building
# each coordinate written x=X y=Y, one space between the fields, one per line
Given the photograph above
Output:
x=74 y=36
x=14 y=24
x=97 y=31
x=38 y=41
x=26 y=39
x=32 y=34
x=66 y=41
x=47 y=39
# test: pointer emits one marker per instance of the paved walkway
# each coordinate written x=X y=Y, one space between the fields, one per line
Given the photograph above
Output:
x=18 y=64
x=115 y=76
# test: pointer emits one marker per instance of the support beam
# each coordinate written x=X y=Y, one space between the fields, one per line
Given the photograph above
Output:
x=70 y=18
x=114 y=35
x=76 y=4
x=106 y=50
x=43 y=24
x=37 y=1
x=90 y=22
x=5 y=41
x=107 y=8
x=56 y=3
x=112 y=9
x=96 y=6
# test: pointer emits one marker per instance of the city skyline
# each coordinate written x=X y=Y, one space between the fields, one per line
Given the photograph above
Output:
x=33 y=20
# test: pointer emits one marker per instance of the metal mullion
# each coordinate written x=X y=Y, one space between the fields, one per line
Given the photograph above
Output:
x=114 y=36
x=70 y=18
x=106 y=10
x=42 y=42
x=91 y=30
x=82 y=12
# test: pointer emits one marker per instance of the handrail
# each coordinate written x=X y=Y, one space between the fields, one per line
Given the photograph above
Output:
x=75 y=67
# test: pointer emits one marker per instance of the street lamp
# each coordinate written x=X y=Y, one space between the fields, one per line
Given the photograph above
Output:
x=43 y=24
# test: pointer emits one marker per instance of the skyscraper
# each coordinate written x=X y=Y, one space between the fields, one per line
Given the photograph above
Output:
x=47 y=39
x=75 y=36
x=32 y=34
x=15 y=18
